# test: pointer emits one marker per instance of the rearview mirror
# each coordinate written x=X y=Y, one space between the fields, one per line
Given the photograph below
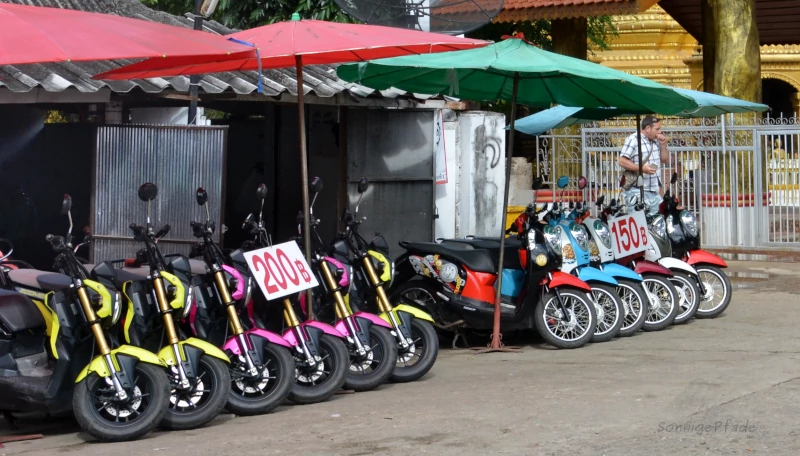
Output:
x=674 y=178
x=537 y=183
x=316 y=185
x=562 y=182
x=261 y=192
x=148 y=192
x=66 y=205
x=582 y=183
x=202 y=196
x=362 y=185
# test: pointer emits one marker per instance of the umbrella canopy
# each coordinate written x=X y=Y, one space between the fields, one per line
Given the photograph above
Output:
x=32 y=34
x=545 y=78
x=710 y=105
x=318 y=42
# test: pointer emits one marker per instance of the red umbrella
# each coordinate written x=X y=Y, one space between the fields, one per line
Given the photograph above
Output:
x=33 y=34
x=304 y=42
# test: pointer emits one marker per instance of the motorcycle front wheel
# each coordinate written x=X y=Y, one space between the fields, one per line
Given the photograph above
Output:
x=370 y=371
x=688 y=295
x=419 y=357
x=717 y=295
x=608 y=307
x=111 y=421
x=192 y=407
x=261 y=394
x=635 y=306
x=318 y=383
x=663 y=306
x=581 y=322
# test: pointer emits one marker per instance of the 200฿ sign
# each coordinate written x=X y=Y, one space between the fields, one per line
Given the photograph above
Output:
x=629 y=234
x=280 y=270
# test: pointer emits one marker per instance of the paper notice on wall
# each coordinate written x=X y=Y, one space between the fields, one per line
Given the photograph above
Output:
x=440 y=160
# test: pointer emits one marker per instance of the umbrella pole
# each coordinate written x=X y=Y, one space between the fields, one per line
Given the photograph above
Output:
x=301 y=119
x=495 y=344
x=639 y=149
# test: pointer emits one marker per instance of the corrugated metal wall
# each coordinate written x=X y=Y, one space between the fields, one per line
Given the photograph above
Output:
x=178 y=160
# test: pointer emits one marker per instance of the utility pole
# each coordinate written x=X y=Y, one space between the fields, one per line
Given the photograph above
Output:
x=202 y=8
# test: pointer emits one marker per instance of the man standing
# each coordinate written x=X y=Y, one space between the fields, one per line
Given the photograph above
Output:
x=654 y=152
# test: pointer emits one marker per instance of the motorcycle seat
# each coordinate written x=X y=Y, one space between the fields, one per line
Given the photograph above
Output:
x=138 y=272
x=510 y=258
x=43 y=280
x=18 y=312
x=476 y=260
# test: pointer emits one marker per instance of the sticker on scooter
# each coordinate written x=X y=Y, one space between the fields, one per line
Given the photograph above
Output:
x=567 y=254
x=444 y=271
x=280 y=270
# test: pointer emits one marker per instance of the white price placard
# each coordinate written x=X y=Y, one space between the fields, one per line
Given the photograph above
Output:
x=629 y=234
x=280 y=270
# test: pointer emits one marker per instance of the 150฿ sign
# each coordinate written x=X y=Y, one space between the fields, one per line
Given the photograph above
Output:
x=629 y=234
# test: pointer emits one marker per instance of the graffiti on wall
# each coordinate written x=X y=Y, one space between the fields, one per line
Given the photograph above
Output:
x=489 y=152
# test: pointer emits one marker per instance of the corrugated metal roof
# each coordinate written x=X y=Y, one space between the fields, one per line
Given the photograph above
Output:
x=319 y=80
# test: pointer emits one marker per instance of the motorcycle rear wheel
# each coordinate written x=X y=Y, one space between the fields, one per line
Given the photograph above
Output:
x=635 y=303
x=335 y=364
x=426 y=342
x=663 y=311
x=383 y=348
x=578 y=331
x=153 y=390
x=688 y=294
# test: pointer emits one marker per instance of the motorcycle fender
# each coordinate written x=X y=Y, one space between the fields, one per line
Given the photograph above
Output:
x=648 y=267
x=676 y=264
x=98 y=365
x=417 y=313
x=376 y=320
x=620 y=272
x=233 y=345
x=703 y=257
x=561 y=279
x=289 y=335
x=359 y=318
x=168 y=356
x=590 y=274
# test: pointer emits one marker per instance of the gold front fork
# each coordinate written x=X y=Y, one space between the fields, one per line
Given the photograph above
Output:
x=288 y=314
x=91 y=316
x=382 y=299
x=341 y=307
x=163 y=306
x=225 y=294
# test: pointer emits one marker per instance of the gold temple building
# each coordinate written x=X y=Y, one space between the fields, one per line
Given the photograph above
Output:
x=654 y=46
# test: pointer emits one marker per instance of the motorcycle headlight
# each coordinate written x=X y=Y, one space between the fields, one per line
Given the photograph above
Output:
x=689 y=222
x=553 y=237
x=116 y=308
x=187 y=307
x=579 y=233
x=602 y=232
x=659 y=227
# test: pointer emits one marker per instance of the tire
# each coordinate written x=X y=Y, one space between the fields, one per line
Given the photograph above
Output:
x=383 y=346
x=149 y=379
x=548 y=304
x=662 y=312
x=334 y=365
x=688 y=294
x=422 y=333
x=714 y=282
x=609 y=311
x=635 y=306
x=212 y=376
x=247 y=397
x=422 y=295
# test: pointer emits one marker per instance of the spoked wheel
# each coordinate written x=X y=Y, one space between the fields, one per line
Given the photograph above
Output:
x=370 y=370
x=688 y=296
x=108 y=419
x=634 y=304
x=255 y=394
x=202 y=401
x=717 y=287
x=319 y=382
x=418 y=358
x=663 y=306
x=422 y=295
x=574 y=331
x=609 y=312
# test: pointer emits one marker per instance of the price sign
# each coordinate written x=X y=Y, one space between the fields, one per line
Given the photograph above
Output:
x=629 y=234
x=280 y=270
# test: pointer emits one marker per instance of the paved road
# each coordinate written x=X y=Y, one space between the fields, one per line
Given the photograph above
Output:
x=729 y=386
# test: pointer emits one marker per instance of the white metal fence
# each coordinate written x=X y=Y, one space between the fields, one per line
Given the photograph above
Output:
x=740 y=175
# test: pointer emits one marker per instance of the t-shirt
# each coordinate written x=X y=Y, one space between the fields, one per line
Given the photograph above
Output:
x=629 y=150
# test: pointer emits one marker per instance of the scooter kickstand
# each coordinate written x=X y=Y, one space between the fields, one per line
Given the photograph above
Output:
x=459 y=333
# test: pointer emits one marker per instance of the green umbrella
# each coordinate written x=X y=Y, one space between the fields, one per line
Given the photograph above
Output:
x=516 y=71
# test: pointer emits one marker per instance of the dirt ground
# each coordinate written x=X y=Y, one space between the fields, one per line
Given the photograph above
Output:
x=728 y=386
